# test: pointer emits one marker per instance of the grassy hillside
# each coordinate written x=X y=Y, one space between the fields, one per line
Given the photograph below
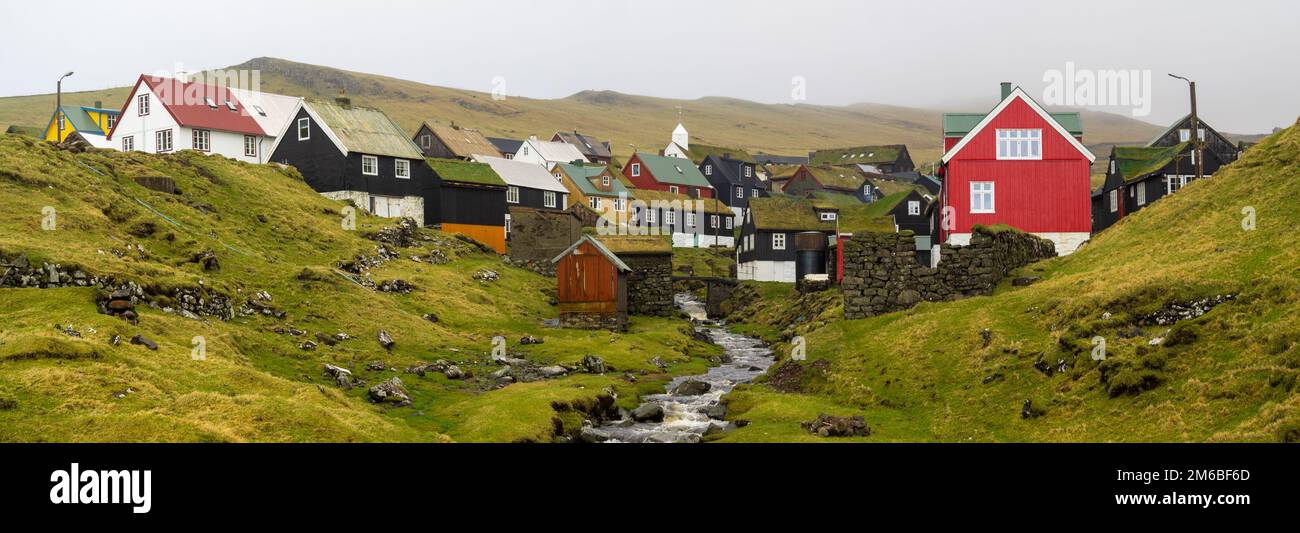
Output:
x=272 y=233
x=962 y=371
x=643 y=121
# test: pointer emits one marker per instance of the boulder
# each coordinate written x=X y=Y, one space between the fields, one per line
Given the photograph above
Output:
x=837 y=426
x=648 y=412
x=691 y=387
x=593 y=364
x=1025 y=281
x=453 y=372
x=386 y=340
x=390 y=392
x=552 y=371
x=529 y=339
x=341 y=375
x=142 y=341
x=717 y=412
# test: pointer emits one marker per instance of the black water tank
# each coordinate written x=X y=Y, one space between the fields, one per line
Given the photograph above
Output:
x=809 y=254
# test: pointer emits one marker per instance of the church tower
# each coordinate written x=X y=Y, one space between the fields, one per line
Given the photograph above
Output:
x=681 y=137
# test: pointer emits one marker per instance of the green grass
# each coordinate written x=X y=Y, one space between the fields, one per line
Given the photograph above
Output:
x=268 y=228
x=926 y=374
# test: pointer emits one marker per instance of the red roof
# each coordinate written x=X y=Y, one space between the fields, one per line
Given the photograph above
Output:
x=187 y=102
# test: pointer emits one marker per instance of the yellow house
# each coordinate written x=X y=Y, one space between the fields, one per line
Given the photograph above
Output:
x=90 y=123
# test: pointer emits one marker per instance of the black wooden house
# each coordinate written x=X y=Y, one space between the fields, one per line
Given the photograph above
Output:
x=735 y=181
x=766 y=249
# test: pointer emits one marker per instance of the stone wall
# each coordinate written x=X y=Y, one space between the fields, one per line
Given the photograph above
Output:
x=650 y=284
x=881 y=273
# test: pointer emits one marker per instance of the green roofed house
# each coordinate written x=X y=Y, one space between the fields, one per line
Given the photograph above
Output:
x=473 y=201
x=767 y=247
x=594 y=191
x=846 y=180
x=1137 y=176
x=881 y=159
x=682 y=147
x=82 y=123
x=664 y=173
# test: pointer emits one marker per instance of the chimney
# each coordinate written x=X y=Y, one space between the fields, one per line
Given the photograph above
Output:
x=1006 y=90
x=342 y=99
x=726 y=155
x=99 y=104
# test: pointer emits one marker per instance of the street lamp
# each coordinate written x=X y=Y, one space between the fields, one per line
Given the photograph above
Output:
x=58 y=107
x=1197 y=141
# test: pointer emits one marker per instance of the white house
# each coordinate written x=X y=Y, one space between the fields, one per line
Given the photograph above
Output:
x=548 y=153
x=165 y=114
x=681 y=143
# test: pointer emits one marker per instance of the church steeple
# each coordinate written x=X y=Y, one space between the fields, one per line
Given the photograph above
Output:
x=681 y=137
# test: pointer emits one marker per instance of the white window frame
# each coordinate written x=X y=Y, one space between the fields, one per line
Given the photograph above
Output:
x=1174 y=183
x=548 y=199
x=708 y=170
x=827 y=216
x=636 y=170
x=673 y=189
x=740 y=192
x=512 y=194
x=749 y=171
x=304 y=128
x=986 y=190
x=604 y=180
x=374 y=165
x=713 y=221
x=426 y=141
x=202 y=140
x=110 y=120
x=128 y=143
x=402 y=169
x=778 y=241
x=159 y=136
x=1114 y=200
x=651 y=216
x=729 y=223
x=754 y=193
x=670 y=218
x=619 y=205
x=1141 y=193
x=690 y=219
x=142 y=105
x=63 y=122
x=250 y=145
x=1020 y=144
x=507 y=224
x=593 y=202
x=913 y=208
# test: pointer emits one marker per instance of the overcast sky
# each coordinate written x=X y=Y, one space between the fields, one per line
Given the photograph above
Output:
x=940 y=54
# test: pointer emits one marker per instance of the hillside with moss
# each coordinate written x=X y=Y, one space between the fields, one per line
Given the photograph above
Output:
x=249 y=264
x=1196 y=296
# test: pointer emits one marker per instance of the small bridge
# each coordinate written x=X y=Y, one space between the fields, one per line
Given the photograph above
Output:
x=718 y=290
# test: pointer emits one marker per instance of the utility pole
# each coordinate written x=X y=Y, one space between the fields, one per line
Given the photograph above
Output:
x=1198 y=143
x=59 y=117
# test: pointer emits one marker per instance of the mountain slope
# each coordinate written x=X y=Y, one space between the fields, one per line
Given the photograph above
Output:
x=930 y=374
x=260 y=379
x=643 y=121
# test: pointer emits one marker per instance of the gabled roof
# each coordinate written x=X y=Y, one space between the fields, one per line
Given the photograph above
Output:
x=729 y=167
x=583 y=174
x=698 y=152
x=504 y=145
x=959 y=124
x=845 y=178
x=589 y=146
x=710 y=206
x=858 y=155
x=78 y=119
x=1134 y=163
x=556 y=151
x=618 y=263
x=523 y=174
x=187 y=102
x=360 y=129
x=271 y=111
x=465 y=143
x=1019 y=94
x=455 y=170
x=673 y=170
x=765 y=159
x=780 y=212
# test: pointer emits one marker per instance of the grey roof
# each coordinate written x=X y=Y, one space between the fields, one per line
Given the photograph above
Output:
x=613 y=258
x=506 y=146
x=364 y=130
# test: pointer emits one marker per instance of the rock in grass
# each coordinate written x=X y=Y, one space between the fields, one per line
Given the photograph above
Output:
x=529 y=339
x=391 y=392
x=1029 y=411
x=386 y=340
x=341 y=375
x=1025 y=281
x=648 y=412
x=836 y=426
x=593 y=364
x=143 y=341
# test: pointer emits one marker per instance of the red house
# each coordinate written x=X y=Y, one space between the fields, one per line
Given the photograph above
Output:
x=1016 y=165
x=669 y=174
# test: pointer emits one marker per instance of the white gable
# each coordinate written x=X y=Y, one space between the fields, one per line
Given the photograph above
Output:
x=1020 y=94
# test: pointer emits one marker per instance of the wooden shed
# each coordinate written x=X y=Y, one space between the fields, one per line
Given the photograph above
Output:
x=592 y=286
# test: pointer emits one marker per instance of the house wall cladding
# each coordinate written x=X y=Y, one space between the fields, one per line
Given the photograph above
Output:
x=881 y=274
x=650 y=284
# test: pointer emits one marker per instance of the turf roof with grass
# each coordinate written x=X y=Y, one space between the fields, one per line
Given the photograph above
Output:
x=458 y=171
x=1134 y=162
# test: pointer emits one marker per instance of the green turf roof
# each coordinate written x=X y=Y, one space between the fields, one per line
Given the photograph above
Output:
x=858 y=155
x=673 y=170
x=637 y=244
x=786 y=213
x=458 y=171
x=837 y=177
x=1134 y=162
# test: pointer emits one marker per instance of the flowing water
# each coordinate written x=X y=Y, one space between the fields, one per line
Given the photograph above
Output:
x=686 y=418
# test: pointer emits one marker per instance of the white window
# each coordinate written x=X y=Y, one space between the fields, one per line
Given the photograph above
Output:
x=304 y=128
x=1020 y=144
x=729 y=222
x=426 y=141
x=558 y=177
x=1184 y=135
x=163 y=140
x=1193 y=153
x=250 y=146
x=142 y=104
x=713 y=221
x=202 y=140
x=259 y=110
x=63 y=124
x=690 y=220
x=370 y=165
x=673 y=189
x=512 y=194
x=548 y=199
x=981 y=197
x=778 y=241
x=651 y=216
x=523 y=150
x=128 y=144
x=593 y=202
x=636 y=169
x=402 y=169
x=507 y=224
x=755 y=195
x=1114 y=200
x=749 y=172
x=110 y=121
x=740 y=192
x=231 y=106
x=1112 y=166
x=670 y=217
x=1142 y=193
x=708 y=170
x=913 y=208
x=619 y=204
x=828 y=216
x=604 y=181
x=386 y=206
x=1173 y=183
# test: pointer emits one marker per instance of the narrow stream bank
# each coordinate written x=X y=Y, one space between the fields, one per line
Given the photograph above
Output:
x=687 y=414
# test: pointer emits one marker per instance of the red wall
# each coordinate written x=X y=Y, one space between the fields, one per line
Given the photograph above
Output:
x=1048 y=195
x=647 y=181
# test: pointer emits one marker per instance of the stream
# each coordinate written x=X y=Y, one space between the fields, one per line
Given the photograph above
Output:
x=686 y=418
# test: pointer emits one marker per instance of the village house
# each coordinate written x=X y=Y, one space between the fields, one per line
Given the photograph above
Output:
x=692 y=222
x=547 y=154
x=734 y=180
x=594 y=150
x=882 y=159
x=358 y=154
x=472 y=201
x=593 y=186
x=669 y=174
x=88 y=124
x=1017 y=165
x=681 y=147
x=165 y=115
x=846 y=180
x=766 y=250
x=591 y=286
x=507 y=147
x=528 y=186
x=453 y=142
